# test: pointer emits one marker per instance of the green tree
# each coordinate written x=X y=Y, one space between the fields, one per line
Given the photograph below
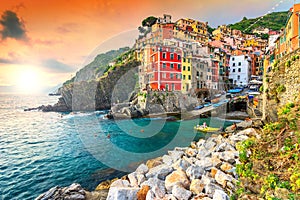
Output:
x=149 y=21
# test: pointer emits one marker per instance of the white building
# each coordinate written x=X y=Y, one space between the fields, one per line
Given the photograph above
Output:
x=240 y=70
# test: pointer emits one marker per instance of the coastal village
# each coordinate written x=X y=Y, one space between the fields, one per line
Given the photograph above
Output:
x=255 y=159
x=184 y=56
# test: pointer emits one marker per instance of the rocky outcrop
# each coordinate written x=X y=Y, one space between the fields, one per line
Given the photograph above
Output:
x=72 y=192
x=205 y=170
x=98 y=94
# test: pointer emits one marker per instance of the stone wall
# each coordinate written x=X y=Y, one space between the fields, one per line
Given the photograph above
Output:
x=282 y=85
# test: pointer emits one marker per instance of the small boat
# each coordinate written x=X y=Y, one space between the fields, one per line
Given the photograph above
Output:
x=206 y=129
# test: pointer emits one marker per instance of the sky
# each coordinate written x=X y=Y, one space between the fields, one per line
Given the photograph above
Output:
x=44 y=42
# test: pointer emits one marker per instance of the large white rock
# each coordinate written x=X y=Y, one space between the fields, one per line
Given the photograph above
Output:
x=122 y=193
x=220 y=195
x=142 y=169
x=152 y=182
x=181 y=193
x=167 y=160
x=133 y=179
x=222 y=178
x=120 y=183
x=181 y=164
x=160 y=171
x=175 y=155
x=194 y=172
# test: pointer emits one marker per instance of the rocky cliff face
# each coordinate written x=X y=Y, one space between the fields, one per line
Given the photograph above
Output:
x=98 y=94
x=282 y=84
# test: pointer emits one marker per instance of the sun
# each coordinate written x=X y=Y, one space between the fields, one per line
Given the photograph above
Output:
x=29 y=81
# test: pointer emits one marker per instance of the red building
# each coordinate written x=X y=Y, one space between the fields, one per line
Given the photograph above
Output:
x=164 y=71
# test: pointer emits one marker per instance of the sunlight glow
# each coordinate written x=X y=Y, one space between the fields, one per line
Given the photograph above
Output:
x=29 y=81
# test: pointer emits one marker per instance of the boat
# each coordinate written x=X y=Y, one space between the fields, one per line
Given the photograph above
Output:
x=206 y=129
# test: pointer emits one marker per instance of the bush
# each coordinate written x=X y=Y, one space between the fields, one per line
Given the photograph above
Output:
x=288 y=63
x=280 y=89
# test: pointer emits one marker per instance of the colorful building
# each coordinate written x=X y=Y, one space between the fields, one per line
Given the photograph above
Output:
x=186 y=72
x=292 y=29
x=164 y=70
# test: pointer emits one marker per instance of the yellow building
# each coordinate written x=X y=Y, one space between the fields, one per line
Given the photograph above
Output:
x=186 y=72
x=251 y=42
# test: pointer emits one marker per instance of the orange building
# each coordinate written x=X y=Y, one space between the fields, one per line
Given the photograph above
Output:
x=292 y=29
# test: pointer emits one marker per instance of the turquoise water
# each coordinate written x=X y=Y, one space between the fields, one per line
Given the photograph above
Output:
x=41 y=150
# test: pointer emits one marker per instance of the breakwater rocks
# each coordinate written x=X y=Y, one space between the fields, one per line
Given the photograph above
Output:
x=205 y=170
x=73 y=192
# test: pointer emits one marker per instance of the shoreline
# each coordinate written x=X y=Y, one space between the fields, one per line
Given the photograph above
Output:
x=129 y=183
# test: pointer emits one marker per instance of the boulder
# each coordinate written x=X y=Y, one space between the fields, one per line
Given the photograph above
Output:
x=120 y=183
x=181 y=164
x=122 y=193
x=181 y=193
x=142 y=169
x=160 y=171
x=142 y=193
x=159 y=192
x=205 y=163
x=222 y=178
x=167 y=159
x=150 y=195
x=196 y=186
x=175 y=155
x=194 y=172
x=220 y=195
x=191 y=152
x=152 y=182
x=133 y=179
x=154 y=162
x=177 y=177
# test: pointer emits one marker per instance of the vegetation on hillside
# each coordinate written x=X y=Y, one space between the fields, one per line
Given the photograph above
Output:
x=99 y=65
x=270 y=166
x=274 y=21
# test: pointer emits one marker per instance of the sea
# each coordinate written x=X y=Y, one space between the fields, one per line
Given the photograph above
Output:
x=40 y=150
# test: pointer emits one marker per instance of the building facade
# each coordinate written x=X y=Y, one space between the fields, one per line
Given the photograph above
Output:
x=240 y=70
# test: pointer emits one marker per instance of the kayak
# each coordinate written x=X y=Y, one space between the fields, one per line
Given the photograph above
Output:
x=207 y=129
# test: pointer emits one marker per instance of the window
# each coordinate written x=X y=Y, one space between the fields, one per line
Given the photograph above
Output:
x=189 y=68
x=183 y=68
x=184 y=60
x=232 y=58
x=178 y=57
x=198 y=74
x=177 y=76
x=183 y=77
x=233 y=64
x=171 y=75
x=164 y=55
x=238 y=77
x=164 y=75
x=233 y=70
x=239 y=70
x=189 y=77
x=208 y=69
x=164 y=65
x=240 y=63
x=189 y=60
x=173 y=86
x=171 y=56
x=178 y=66
x=172 y=66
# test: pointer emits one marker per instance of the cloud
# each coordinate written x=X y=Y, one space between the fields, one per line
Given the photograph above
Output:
x=53 y=65
x=47 y=42
x=67 y=28
x=12 y=58
x=12 y=26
